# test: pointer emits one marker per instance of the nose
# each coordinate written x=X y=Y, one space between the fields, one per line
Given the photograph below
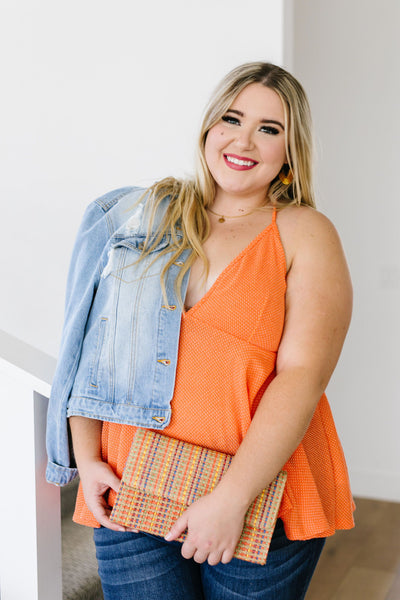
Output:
x=244 y=139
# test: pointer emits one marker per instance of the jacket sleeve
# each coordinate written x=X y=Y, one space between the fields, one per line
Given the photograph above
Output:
x=83 y=278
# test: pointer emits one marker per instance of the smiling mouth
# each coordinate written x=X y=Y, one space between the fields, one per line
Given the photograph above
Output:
x=238 y=162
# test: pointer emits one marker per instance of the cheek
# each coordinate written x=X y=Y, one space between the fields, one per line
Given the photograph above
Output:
x=275 y=153
x=213 y=143
x=215 y=137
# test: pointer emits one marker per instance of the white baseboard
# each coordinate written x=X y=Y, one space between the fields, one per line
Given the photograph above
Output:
x=376 y=484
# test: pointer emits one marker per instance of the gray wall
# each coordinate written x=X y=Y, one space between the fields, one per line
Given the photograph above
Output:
x=347 y=55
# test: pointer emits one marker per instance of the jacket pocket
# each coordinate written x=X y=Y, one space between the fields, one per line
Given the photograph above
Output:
x=94 y=370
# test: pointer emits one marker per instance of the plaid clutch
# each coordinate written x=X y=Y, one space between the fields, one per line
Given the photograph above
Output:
x=163 y=476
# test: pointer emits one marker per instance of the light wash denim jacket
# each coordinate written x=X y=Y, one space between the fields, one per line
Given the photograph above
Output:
x=118 y=353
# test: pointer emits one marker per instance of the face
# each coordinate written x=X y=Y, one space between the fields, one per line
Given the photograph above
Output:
x=245 y=150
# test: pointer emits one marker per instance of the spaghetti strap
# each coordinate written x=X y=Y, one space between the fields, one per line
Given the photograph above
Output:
x=273 y=215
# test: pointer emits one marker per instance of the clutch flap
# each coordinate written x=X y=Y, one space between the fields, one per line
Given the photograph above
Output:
x=170 y=468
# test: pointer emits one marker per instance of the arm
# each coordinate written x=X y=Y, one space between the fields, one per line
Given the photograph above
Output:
x=318 y=308
x=87 y=262
x=97 y=477
x=83 y=277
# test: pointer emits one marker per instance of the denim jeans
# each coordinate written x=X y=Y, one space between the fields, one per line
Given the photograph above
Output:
x=137 y=566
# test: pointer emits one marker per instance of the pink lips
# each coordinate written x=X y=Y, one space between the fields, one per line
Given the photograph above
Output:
x=241 y=162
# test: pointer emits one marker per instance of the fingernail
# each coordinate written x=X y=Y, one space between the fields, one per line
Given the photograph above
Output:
x=168 y=536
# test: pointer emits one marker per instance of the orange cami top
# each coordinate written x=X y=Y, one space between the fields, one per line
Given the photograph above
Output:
x=226 y=359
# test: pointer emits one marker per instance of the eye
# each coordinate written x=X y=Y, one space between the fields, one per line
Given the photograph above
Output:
x=230 y=119
x=269 y=129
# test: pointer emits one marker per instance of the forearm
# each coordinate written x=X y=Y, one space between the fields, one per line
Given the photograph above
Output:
x=215 y=521
x=97 y=477
x=277 y=428
x=86 y=440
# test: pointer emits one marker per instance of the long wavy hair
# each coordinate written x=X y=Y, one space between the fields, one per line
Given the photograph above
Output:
x=186 y=221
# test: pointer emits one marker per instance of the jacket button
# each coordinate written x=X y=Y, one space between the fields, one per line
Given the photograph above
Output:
x=169 y=306
x=158 y=419
x=164 y=361
x=179 y=263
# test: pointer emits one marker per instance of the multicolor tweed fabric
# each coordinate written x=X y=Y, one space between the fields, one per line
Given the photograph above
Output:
x=163 y=476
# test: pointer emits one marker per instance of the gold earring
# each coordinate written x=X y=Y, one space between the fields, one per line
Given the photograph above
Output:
x=286 y=175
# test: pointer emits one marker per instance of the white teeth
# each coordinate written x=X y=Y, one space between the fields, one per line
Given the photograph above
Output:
x=242 y=163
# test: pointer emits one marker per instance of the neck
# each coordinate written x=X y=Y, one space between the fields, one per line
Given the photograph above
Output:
x=232 y=205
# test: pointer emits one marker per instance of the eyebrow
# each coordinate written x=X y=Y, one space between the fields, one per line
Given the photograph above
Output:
x=241 y=114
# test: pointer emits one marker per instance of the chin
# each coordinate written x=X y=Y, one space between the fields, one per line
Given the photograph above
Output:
x=239 y=190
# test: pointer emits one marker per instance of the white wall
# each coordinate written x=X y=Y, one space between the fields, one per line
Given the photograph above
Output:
x=347 y=55
x=98 y=95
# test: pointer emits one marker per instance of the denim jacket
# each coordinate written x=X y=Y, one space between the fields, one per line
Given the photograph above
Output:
x=118 y=353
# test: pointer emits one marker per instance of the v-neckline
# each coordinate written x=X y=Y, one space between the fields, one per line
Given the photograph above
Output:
x=228 y=267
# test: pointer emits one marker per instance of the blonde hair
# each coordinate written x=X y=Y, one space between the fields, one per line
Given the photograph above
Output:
x=186 y=220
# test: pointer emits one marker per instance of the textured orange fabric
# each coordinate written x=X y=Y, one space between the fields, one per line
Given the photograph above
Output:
x=226 y=359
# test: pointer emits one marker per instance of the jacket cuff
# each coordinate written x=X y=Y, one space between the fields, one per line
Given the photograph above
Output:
x=60 y=475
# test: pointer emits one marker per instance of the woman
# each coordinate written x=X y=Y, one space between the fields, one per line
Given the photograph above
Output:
x=240 y=269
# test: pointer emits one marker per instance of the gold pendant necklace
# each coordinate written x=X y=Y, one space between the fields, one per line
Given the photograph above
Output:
x=222 y=218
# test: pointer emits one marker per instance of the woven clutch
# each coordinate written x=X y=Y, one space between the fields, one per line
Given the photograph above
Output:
x=163 y=476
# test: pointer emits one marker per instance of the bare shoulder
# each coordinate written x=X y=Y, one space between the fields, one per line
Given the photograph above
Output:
x=304 y=228
x=301 y=220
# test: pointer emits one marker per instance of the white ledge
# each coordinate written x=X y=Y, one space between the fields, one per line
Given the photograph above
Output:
x=31 y=510
x=26 y=363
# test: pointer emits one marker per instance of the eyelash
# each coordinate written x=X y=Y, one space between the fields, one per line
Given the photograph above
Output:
x=271 y=130
x=234 y=121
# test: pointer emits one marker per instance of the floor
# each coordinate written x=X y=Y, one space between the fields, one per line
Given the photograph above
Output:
x=80 y=579
x=364 y=563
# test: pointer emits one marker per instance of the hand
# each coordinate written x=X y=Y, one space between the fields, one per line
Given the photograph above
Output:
x=97 y=479
x=214 y=524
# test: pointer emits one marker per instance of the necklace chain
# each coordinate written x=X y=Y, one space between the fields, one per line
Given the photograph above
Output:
x=222 y=218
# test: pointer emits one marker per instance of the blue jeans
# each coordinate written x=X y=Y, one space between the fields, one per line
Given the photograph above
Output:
x=137 y=566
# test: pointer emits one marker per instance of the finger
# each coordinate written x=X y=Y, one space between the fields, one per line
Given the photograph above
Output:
x=112 y=481
x=101 y=513
x=227 y=556
x=214 y=558
x=106 y=522
x=177 y=528
x=188 y=550
x=200 y=556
